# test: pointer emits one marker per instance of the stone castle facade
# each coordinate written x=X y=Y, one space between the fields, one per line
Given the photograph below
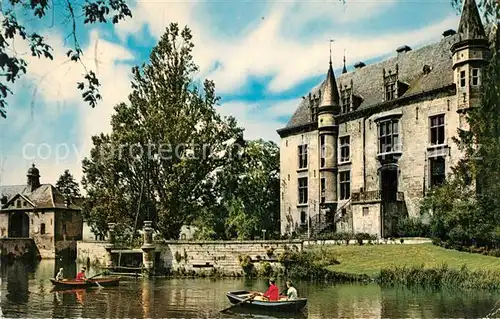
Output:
x=362 y=149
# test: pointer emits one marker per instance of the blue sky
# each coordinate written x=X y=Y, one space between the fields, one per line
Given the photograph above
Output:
x=263 y=56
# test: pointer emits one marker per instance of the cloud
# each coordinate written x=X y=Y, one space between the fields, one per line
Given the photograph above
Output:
x=50 y=88
x=260 y=119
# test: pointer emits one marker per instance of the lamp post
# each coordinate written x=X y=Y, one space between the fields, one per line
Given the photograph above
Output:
x=264 y=234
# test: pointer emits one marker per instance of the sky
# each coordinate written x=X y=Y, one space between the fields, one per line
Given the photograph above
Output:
x=262 y=55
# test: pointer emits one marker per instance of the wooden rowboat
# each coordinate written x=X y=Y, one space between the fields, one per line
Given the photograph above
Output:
x=284 y=306
x=72 y=284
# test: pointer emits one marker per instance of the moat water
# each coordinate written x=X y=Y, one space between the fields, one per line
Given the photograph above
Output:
x=26 y=293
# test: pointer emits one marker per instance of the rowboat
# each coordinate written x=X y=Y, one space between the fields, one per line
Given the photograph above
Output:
x=283 y=305
x=72 y=284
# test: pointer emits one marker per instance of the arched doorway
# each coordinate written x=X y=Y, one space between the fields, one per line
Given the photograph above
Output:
x=19 y=225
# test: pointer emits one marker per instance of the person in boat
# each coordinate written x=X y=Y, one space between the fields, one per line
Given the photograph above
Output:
x=60 y=274
x=291 y=293
x=272 y=293
x=81 y=275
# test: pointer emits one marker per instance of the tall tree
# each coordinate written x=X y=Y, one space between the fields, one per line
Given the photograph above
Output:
x=68 y=186
x=165 y=146
x=78 y=13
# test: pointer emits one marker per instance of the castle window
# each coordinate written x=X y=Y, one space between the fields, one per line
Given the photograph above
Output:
x=303 y=156
x=314 y=114
x=345 y=184
x=346 y=100
x=437 y=170
x=437 y=129
x=18 y=203
x=462 y=79
x=323 y=151
x=388 y=136
x=303 y=217
x=303 y=190
x=475 y=77
x=345 y=149
x=390 y=91
x=42 y=229
x=323 y=189
x=366 y=211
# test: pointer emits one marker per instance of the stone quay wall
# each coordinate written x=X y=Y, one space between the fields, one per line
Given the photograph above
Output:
x=19 y=248
x=92 y=252
x=197 y=257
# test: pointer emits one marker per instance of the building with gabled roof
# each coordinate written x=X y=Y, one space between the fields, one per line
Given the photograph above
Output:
x=363 y=148
x=41 y=212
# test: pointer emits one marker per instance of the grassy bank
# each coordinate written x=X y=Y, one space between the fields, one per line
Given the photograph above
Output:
x=371 y=259
x=423 y=265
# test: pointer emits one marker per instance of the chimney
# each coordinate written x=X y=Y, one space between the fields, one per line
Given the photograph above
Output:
x=403 y=49
x=449 y=32
x=359 y=65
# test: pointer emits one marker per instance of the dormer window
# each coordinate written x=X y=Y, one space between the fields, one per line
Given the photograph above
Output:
x=313 y=105
x=390 y=91
x=346 y=100
x=393 y=88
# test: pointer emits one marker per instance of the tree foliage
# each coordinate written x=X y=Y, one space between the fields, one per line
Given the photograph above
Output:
x=68 y=186
x=249 y=196
x=14 y=29
x=466 y=209
x=169 y=151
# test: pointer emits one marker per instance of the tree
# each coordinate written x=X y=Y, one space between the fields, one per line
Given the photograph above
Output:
x=165 y=147
x=466 y=209
x=249 y=195
x=13 y=66
x=67 y=185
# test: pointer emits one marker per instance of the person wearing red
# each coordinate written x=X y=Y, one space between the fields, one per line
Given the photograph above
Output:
x=272 y=292
x=81 y=275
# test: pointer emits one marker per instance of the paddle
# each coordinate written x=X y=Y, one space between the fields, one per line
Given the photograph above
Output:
x=239 y=303
x=97 y=283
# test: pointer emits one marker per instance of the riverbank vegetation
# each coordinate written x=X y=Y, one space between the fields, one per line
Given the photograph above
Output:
x=421 y=265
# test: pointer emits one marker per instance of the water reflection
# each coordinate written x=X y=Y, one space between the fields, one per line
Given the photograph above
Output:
x=27 y=292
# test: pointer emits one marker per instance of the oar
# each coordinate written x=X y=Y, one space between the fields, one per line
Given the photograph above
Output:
x=239 y=303
x=97 y=283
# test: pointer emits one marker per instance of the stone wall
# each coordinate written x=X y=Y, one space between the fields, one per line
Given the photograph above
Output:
x=198 y=256
x=220 y=256
x=13 y=248
x=93 y=252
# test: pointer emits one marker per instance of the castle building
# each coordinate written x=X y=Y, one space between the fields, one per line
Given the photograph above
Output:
x=42 y=213
x=362 y=149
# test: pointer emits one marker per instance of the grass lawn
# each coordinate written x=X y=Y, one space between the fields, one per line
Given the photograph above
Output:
x=369 y=259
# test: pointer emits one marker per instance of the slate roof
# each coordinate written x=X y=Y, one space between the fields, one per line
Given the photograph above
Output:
x=368 y=82
x=44 y=196
x=470 y=25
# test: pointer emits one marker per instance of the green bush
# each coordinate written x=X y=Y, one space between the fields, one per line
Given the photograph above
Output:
x=412 y=227
x=265 y=270
x=247 y=265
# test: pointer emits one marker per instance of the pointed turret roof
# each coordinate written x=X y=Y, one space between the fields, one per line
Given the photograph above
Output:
x=330 y=96
x=470 y=26
x=344 y=69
